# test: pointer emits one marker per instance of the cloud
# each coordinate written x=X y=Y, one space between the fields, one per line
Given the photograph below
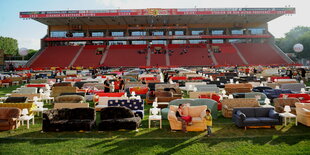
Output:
x=29 y=43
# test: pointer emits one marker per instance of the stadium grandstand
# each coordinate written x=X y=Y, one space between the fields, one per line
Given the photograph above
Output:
x=158 y=37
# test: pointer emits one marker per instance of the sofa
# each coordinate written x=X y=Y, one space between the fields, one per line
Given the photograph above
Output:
x=211 y=104
x=275 y=93
x=115 y=118
x=257 y=95
x=196 y=112
x=238 y=88
x=280 y=103
x=39 y=81
x=8 y=118
x=213 y=96
x=255 y=117
x=174 y=88
x=260 y=89
x=21 y=106
x=29 y=96
x=56 y=91
x=294 y=87
x=137 y=106
x=16 y=100
x=208 y=88
x=28 y=90
x=303 y=113
x=69 y=119
x=229 y=104
x=303 y=98
x=69 y=99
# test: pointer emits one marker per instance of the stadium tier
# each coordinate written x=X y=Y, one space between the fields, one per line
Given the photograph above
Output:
x=158 y=37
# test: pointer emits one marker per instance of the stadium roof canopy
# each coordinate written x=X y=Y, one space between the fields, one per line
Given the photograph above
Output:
x=155 y=16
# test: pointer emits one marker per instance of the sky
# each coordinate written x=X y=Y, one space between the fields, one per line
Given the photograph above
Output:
x=29 y=32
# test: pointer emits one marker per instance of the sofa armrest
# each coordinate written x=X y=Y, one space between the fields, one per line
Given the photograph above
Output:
x=241 y=115
x=273 y=114
x=12 y=121
x=172 y=116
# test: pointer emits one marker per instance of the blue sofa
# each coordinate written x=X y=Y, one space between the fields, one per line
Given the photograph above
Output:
x=275 y=93
x=257 y=116
x=260 y=89
x=137 y=106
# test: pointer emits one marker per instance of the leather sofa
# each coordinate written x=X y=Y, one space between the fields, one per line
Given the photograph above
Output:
x=257 y=95
x=8 y=118
x=211 y=104
x=29 y=96
x=69 y=119
x=69 y=99
x=16 y=100
x=303 y=113
x=256 y=116
x=230 y=104
x=115 y=118
x=280 y=103
x=238 y=88
x=196 y=112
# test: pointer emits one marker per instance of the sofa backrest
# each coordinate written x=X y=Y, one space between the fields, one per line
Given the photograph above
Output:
x=70 y=105
x=193 y=84
x=62 y=84
x=293 y=86
x=104 y=100
x=163 y=86
x=56 y=91
x=194 y=111
x=254 y=111
x=29 y=96
x=303 y=105
x=260 y=88
x=206 y=88
x=163 y=94
x=298 y=96
x=240 y=102
x=16 y=100
x=281 y=102
x=28 y=90
x=9 y=112
x=115 y=113
x=83 y=113
x=69 y=99
x=131 y=104
x=139 y=90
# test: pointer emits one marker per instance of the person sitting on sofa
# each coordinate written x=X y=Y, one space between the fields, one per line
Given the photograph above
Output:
x=186 y=120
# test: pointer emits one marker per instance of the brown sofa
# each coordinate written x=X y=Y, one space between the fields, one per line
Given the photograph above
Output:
x=303 y=113
x=56 y=91
x=8 y=118
x=69 y=99
x=238 y=88
x=29 y=96
x=280 y=103
x=196 y=112
x=229 y=104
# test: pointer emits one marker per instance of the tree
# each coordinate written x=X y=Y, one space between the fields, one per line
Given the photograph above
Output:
x=9 y=45
x=298 y=34
x=31 y=52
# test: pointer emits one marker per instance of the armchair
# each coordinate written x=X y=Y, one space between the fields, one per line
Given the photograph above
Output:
x=8 y=118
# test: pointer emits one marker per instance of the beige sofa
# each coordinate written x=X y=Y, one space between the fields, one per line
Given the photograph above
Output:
x=197 y=113
x=230 y=104
x=303 y=113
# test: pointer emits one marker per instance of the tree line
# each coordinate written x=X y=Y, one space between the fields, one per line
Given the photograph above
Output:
x=300 y=34
x=10 y=47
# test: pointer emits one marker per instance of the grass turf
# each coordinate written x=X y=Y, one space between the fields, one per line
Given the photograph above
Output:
x=226 y=139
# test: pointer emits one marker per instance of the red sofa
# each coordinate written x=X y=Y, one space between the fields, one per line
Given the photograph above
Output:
x=214 y=97
x=304 y=98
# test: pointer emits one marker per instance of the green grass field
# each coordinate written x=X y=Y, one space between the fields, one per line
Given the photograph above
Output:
x=226 y=139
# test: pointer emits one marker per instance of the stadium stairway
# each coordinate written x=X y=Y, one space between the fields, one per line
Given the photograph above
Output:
x=105 y=54
x=76 y=56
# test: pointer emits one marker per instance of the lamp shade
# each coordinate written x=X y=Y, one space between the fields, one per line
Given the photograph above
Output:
x=230 y=96
x=269 y=79
x=155 y=111
x=155 y=104
x=24 y=111
x=195 y=89
x=224 y=92
x=277 y=87
x=237 y=82
x=287 y=109
x=303 y=90
x=231 y=80
x=133 y=93
x=301 y=81
x=267 y=101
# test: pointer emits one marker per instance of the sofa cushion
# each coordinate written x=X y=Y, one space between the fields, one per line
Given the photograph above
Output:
x=195 y=111
x=251 y=120
x=4 y=123
x=262 y=112
x=115 y=113
x=82 y=113
x=59 y=121
x=197 y=119
x=267 y=119
x=249 y=112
